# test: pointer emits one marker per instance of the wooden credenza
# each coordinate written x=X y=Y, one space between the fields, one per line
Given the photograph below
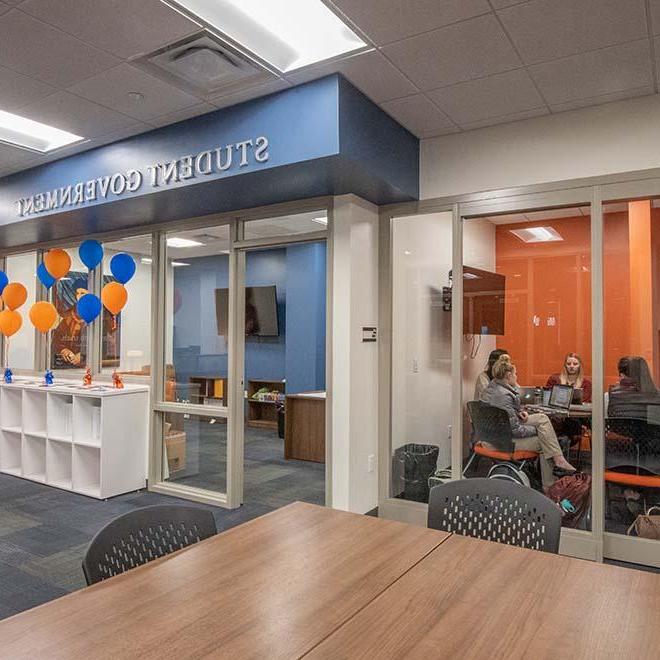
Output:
x=304 y=430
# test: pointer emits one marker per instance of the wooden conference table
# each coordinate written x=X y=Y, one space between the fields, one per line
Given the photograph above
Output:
x=309 y=581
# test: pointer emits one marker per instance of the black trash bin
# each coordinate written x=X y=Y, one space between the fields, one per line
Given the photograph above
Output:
x=412 y=465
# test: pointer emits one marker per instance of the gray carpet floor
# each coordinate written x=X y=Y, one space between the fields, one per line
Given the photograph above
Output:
x=44 y=531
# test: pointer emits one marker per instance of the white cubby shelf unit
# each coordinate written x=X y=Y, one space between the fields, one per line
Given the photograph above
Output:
x=89 y=440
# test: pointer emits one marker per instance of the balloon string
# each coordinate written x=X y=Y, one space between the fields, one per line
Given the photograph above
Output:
x=6 y=352
x=114 y=322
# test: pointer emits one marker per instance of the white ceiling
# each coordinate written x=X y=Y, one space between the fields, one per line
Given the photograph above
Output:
x=437 y=66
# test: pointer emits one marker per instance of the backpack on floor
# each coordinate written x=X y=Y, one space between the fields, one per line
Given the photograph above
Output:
x=573 y=495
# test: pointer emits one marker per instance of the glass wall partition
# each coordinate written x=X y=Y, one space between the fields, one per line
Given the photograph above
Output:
x=421 y=376
x=631 y=364
x=527 y=350
x=20 y=347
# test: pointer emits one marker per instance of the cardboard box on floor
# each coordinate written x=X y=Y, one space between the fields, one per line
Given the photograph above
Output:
x=175 y=448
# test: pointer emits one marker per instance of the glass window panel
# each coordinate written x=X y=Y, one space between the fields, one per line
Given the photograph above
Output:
x=20 y=348
x=69 y=338
x=126 y=340
x=527 y=291
x=631 y=281
x=195 y=451
x=421 y=352
x=286 y=225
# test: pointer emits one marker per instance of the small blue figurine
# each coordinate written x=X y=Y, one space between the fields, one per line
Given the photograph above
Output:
x=9 y=376
x=48 y=377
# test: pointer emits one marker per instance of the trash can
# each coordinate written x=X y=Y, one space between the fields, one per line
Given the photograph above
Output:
x=412 y=465
x=280 y=422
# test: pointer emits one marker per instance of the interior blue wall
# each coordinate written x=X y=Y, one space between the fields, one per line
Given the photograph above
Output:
x=297 y=354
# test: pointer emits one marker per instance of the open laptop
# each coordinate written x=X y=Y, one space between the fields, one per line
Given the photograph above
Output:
x=561 y=397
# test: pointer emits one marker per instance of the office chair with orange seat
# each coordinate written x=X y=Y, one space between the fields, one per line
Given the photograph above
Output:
x=491 y=425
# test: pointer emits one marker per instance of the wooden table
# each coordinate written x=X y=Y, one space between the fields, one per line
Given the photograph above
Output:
x=304 y=428
x=272 y=588
x=475 y=599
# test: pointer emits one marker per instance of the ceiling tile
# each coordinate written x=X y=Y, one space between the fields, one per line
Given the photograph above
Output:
x=111 y=88
x=605 y=71
x=500 y=4
x=544 y=30
x=385 y=21
x=506 y=119
x=444 y=56
x=180 y=115
x=123 y=27
x=17 y=90
x=419 y=116
x=370 y=72
x=13 y=156
x=604 y=98
x=123 y=133
x=270 y=87
x=75 y=114
x=4 y=7
x=495 y=96
x=36 y=49
x=655 y=15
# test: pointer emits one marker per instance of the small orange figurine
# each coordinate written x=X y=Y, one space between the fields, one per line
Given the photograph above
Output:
x=117 y=381
x=87 y=378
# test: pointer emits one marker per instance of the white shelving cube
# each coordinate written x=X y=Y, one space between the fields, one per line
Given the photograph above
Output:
x=11 y=448
x=60 y=416
x=34 y=412
x=86 y=470
x=58 y=464
x=11 y=417
x=34 y=457
x=87 y=420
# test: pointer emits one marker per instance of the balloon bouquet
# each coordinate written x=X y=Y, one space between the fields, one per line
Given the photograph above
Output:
x=44 y=315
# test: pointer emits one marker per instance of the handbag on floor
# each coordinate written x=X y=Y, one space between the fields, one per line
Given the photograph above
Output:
x=573 y=490
x=647 y=525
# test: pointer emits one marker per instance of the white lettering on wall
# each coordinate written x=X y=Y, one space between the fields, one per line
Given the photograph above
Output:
x=217 y=160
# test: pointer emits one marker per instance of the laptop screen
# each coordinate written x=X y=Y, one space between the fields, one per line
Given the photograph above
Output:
x=561 y=396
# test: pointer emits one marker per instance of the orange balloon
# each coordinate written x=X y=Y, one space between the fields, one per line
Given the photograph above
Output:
x=57 y=262
x=43 y=316
x=14 y=295
x=114 y=297
x=10 y=322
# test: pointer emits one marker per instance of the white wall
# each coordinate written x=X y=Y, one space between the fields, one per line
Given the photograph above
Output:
x=354 y=401
x=611 y=138
x=22 y=268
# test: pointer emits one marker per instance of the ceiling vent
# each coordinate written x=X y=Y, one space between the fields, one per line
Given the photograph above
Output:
x=204 y=65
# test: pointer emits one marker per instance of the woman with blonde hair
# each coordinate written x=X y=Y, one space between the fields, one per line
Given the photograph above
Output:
x=530 y=432
x=572 y=373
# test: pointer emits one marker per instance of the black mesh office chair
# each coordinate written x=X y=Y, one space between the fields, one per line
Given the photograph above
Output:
x=140 y=536
x=496 y=510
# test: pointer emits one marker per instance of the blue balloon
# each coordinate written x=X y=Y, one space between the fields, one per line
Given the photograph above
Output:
x=91 y=253
x=122 y=266
x=44 y=276
x=4 y=281
x=88 y=307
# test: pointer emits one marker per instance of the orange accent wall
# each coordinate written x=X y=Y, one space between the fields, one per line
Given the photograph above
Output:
x=552 y=283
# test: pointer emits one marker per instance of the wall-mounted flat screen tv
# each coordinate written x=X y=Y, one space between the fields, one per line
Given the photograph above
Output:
x=483 y=302
x=260 y=311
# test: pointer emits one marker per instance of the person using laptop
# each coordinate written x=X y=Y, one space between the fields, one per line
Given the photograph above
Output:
x=634 y=392
x=572 y=373
x=533 y=432
x=487 y=375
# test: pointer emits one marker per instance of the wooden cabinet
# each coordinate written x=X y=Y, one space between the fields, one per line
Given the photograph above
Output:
x=304 y=431
x=262 y=414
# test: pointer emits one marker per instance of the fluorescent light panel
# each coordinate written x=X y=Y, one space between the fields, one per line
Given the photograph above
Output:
x=24 y=132
x=321 y=221
x=537 y=234
x=288 y=34
x=177 y=242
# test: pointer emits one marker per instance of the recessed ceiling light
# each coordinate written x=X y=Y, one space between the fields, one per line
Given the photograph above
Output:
x=288 y=34
x=23 y=132
x=321 y=221
x=135 y=96
x=146 y=260
x=537 y=234
x=176 y=264
x=471 y=276
x=176 y=242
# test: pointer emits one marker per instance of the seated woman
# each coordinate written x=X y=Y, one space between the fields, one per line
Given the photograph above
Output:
x=572 y=373
x=487 y=375
x=634 y=392
x=530 y=432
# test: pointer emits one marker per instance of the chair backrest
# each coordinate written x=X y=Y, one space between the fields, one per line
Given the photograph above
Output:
x=491 y=424
x=496 y=510
x=140 y=536
x=633 y=443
